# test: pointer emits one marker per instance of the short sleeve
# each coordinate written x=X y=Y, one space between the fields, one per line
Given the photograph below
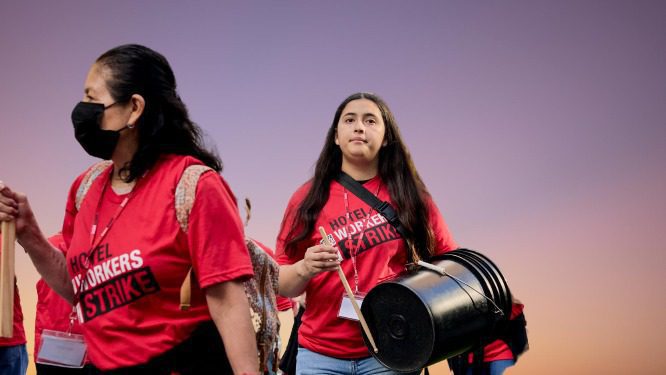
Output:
x=215 y=234
x=281 y=255
x=443 y=240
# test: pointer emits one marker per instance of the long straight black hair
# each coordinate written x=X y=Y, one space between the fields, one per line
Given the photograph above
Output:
x=396 y=169
x=164 y=126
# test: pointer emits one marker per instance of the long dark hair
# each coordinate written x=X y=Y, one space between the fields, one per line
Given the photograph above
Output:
x=164 y=126
x=396 y=169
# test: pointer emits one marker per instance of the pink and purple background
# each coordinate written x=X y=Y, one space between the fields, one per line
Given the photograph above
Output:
x=539 y=127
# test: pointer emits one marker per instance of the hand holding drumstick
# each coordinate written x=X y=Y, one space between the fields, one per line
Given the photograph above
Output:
x=350 y=294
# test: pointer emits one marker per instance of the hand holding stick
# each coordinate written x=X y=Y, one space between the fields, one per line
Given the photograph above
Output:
x=7 y=279
x=350 y=294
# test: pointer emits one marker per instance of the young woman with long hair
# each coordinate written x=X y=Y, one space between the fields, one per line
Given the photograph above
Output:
x=364 y=142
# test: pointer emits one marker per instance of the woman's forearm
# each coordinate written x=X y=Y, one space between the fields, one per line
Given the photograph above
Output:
x=230 y=310
x=49 y=262
x=293 y=279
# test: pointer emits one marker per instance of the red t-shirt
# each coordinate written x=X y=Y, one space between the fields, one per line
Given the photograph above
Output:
x=52 y=311
x=381 y=256
x=130 y=293
x=18 y=336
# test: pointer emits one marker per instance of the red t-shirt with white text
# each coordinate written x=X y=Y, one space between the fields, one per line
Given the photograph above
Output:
x=130 y=292
x=381 y=256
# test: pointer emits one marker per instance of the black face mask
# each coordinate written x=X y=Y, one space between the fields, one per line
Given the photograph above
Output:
x=86 y=118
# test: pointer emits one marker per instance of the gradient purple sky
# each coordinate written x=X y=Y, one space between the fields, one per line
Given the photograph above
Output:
x=539 y=127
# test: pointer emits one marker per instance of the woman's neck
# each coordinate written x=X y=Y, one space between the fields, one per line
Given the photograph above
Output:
x=118 y=183
x=122 y=156
x=360 y=172
x=119 y=170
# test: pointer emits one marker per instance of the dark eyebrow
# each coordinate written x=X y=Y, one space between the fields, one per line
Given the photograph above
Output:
x=355 y=114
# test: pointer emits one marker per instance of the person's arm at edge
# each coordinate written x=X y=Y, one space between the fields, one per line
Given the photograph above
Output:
x=49 y=261
x=294 y=278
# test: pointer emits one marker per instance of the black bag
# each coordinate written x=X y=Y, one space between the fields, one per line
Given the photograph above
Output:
x=288 y=360
x=202 y=353
x=513 y=332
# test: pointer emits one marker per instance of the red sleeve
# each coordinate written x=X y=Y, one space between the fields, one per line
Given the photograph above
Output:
x=285 y=227
x=215 y=234
x=283 y=303
x=443 y=239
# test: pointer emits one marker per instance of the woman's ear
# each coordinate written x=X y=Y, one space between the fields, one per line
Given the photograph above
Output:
x=138 y=103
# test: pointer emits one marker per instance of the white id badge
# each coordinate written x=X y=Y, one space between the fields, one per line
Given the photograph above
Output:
x=61 y=349
x=347 y=309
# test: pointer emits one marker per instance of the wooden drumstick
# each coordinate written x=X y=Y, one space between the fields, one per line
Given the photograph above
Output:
x=7 y=279
x=350 y=294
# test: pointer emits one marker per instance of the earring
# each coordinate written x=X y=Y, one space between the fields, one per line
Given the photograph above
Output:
x=130 y=126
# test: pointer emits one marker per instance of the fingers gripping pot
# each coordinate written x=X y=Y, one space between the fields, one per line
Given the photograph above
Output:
x=426 y=316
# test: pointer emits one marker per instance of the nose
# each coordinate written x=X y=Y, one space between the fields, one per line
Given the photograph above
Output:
x=359 y=127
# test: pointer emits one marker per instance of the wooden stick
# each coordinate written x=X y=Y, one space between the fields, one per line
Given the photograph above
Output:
x=350 y=294
x=7 y=279
x=186 y=292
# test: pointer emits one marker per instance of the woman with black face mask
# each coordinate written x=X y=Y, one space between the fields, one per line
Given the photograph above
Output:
x=130 y=243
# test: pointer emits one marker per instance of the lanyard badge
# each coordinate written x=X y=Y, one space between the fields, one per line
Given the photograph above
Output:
x=347 y=309
x=62 y=349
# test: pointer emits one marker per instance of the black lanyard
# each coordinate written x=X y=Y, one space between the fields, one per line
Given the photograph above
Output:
x=353 y=250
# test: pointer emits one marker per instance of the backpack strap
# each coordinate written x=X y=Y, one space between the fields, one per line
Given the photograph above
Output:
x=88 y=179
x=184 y=201
x=186 y=192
